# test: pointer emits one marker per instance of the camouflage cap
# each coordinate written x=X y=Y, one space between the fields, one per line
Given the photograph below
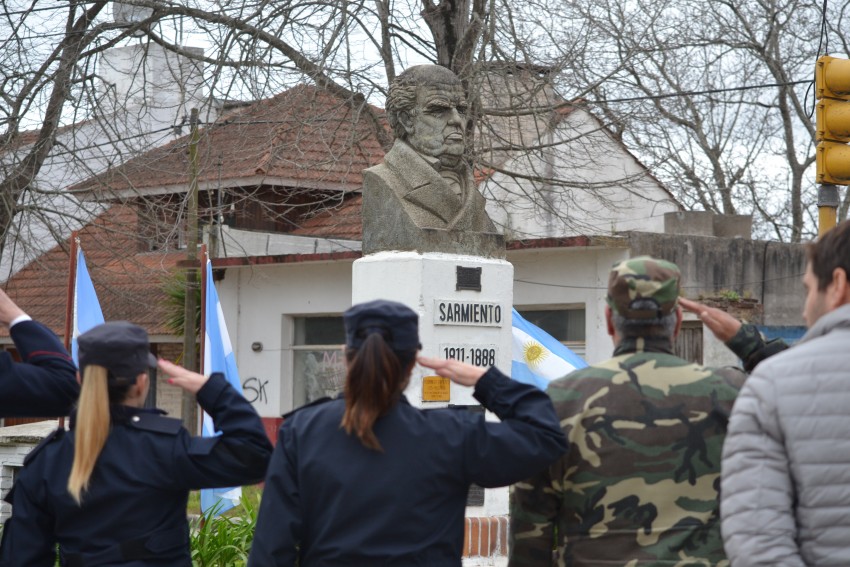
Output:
x=643 y=277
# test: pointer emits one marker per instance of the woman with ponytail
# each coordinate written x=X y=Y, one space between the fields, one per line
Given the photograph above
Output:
x=113 y=490
x=367 y=479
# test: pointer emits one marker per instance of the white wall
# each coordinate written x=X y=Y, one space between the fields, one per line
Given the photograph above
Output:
x=147 y=92
x=605 y=191
x=568 y=277
x=257 y=299
x=236 y=242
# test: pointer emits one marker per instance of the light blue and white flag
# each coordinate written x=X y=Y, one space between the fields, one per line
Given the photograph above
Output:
x=218 y=357
x=87 y=312
x=537 y=357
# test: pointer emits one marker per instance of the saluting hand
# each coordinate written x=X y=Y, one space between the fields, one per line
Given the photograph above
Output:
x=720 y=323
x=8 y=309
x=179 y=376
x=456 y=371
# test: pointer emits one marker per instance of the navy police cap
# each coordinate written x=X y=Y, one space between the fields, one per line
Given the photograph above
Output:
x=119 y=346
x=397 y=323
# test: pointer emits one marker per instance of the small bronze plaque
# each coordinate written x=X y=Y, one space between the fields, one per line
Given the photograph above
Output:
x=436 y=389
x=468 y=278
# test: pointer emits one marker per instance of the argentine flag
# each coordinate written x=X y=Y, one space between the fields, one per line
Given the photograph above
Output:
x=537 y=358
x=218 y=357
x=87 y=312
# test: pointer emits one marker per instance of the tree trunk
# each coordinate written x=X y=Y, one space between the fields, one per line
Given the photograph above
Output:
x=22 y=175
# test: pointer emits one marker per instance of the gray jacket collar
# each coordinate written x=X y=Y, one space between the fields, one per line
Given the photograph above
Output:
x=835 y=319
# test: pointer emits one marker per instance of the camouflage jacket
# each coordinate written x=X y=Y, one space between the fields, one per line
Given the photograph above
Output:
x=639 y=485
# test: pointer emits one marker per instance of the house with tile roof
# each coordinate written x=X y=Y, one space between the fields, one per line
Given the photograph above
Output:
x=264 y=168
x=279 y=201
x=148 y=92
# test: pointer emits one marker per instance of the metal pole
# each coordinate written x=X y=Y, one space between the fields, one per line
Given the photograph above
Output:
x=190 y=331
x=828 y=202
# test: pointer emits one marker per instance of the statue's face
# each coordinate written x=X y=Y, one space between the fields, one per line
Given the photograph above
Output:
x=436 y=128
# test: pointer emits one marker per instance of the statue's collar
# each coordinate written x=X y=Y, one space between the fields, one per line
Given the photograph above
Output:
x=434 y=162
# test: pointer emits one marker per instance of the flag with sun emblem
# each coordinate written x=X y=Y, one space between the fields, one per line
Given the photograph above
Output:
x=538 y=358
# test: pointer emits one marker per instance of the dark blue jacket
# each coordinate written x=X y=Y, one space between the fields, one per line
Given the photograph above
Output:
x=44 y=384
x=134 y=511
x=331 y=501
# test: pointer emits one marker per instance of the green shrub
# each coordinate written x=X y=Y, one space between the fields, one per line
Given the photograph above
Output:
x=219 y=541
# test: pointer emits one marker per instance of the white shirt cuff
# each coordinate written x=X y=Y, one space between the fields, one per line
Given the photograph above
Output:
x=20 y=319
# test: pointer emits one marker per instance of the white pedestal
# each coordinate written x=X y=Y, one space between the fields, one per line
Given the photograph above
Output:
x=468 y=324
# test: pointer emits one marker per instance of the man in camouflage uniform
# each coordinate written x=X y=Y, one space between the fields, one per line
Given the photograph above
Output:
x=639 y=485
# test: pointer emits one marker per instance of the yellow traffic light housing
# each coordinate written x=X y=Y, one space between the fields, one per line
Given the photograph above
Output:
x=833 y=120
x=832 y=77
x=833 y=163
x=832 y=125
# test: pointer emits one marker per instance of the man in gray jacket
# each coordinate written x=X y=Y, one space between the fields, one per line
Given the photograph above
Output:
x=785 y=490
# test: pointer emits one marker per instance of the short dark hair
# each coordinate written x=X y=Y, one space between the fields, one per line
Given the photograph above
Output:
x=660 y=327
x=830 y=251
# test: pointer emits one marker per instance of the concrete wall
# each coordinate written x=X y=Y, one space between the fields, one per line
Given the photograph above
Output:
x=16 y=442
x=569 y=277
x=168 y=398
x=602 y=189
x=146 y=91
x=770 y=272
x=235 y=242
x=259 y=303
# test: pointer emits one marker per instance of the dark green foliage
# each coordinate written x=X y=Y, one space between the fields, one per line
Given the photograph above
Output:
x=219 y=541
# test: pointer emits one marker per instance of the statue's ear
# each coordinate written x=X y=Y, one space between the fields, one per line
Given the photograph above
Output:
x=406 y=120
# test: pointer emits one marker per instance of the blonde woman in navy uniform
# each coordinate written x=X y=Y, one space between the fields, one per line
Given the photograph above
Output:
x=367 y=479
x=113 y=491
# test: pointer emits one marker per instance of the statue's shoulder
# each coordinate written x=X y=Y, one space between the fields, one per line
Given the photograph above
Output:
x=380 y=169
x=383 y=173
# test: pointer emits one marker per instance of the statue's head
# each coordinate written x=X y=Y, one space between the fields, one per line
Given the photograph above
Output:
x=426 y=107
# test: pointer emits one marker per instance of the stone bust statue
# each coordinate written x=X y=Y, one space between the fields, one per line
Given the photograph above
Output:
x=422 y=196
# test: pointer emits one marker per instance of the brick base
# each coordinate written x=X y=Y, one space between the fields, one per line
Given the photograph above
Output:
x=485 y=536
x=272 y=424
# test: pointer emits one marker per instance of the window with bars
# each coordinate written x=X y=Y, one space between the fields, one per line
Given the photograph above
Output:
x=318 y=357
x=566 y=325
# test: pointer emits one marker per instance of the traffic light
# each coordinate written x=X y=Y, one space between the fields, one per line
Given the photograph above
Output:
x=832 y=82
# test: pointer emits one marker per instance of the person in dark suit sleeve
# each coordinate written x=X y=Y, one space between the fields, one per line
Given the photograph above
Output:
x=44 y=383
x=113 y=491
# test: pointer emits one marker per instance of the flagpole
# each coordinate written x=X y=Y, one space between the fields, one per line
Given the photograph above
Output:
x=202 y=335
x=204 y=283
x=69 y=300
x=72 y=279
x=203 y=340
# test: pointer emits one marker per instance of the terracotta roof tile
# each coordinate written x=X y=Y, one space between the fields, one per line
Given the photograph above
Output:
x=304 y=134
x=344 y=221
x=128 y=284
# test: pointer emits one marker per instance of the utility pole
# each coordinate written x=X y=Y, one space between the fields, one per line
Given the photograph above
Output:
x=190 y=331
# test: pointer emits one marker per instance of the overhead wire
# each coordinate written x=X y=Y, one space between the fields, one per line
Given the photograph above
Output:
x=715 y=286
x=822 y=40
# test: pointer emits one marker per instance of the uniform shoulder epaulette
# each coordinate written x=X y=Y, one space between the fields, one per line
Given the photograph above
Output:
x=54 y=435
x=305 y=406
x=156 y=423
